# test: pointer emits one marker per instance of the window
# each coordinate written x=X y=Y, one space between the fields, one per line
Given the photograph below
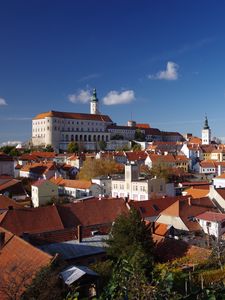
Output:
x=135 y=187
x=208 y=224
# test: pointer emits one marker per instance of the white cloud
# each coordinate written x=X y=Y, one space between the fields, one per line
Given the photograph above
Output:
x=2 y=102
x=82 y=96
x=171 y=72
x=114 y=97
x=10 y=143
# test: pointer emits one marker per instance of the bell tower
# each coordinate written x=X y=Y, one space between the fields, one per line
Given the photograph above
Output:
x=94 y=104
x=206 y=133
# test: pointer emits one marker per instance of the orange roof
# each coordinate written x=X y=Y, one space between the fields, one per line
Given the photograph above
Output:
x=195 y=140
x=5 y=202
x=185 y=209
x=31 y=220
x=182 y=158
x=136 y=155
x=142 y=125
x=77 y=184
x=207 y=164
x=68 y=115
x=8 y=183
x=91 y=212
x=39 y=168
x=211 y=216
x=197 y=193
x=162 y=158
x=222 y=176
x=19 y=261
x=43 y=154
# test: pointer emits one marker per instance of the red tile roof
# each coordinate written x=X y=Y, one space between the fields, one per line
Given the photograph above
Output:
x=39 y=168
x=44 y=154
x=211 y=216
x=221 y=192
x=31 y=220
x=154 y=207
x=19 y=262
x=68 y=115
x=8 y=183
x=136 y=155
x=195 y=140
x=6 y=202
x=5 y=157
x=143 y=125
x=91 y=212
x=186 y=209
x=73 y=183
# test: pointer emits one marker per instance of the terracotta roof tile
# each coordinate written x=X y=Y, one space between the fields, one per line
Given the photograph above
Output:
x=91 y=212
x=211 y=216
x=6 y=202
x=78 y=184
x=154 y=207
x=197 y=192
x=31 y=220
x=20 y=262
x=39 y=168
x=68 y=115
x=136 y=155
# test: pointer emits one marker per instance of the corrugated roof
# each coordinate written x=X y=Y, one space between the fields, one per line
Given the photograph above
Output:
x=73 y=249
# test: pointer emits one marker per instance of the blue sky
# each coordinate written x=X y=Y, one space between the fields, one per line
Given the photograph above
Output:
x=161 y=62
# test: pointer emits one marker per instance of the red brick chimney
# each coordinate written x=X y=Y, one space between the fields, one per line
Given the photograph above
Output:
x=79 y=233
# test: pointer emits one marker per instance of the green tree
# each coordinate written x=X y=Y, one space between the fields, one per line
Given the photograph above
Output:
x=102 y=145
x=130 y=247
x=131 y=234
x=136 y=147
x=139 y=135
x=48 y=148
x=46 y=285
x=14 y=152
x=6 y=149
x=72 y=147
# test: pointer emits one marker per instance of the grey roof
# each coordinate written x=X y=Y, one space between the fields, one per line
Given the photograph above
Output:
x=73 y=273
x=73 y=249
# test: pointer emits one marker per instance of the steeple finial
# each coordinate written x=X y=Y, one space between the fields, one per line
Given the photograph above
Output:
x=206 y=124
x=94 y=96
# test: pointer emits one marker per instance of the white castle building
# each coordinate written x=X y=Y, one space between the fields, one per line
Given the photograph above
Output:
x=59 y=128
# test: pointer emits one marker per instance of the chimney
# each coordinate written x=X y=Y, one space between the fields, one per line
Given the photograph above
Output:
x=153 y=227
x=219 y=170
x=2 y=239
x=79 y=233
x=189 y=201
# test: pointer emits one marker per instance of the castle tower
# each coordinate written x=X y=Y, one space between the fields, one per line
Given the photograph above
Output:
x=206 y=133
x=94 y=104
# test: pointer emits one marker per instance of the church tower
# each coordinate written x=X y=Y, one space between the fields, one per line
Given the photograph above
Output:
x=206 y=133
x=94 y=104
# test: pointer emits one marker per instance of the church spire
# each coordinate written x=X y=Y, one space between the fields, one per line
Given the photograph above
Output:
x=94 y=96
x=94 y=103
x=206 y=124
